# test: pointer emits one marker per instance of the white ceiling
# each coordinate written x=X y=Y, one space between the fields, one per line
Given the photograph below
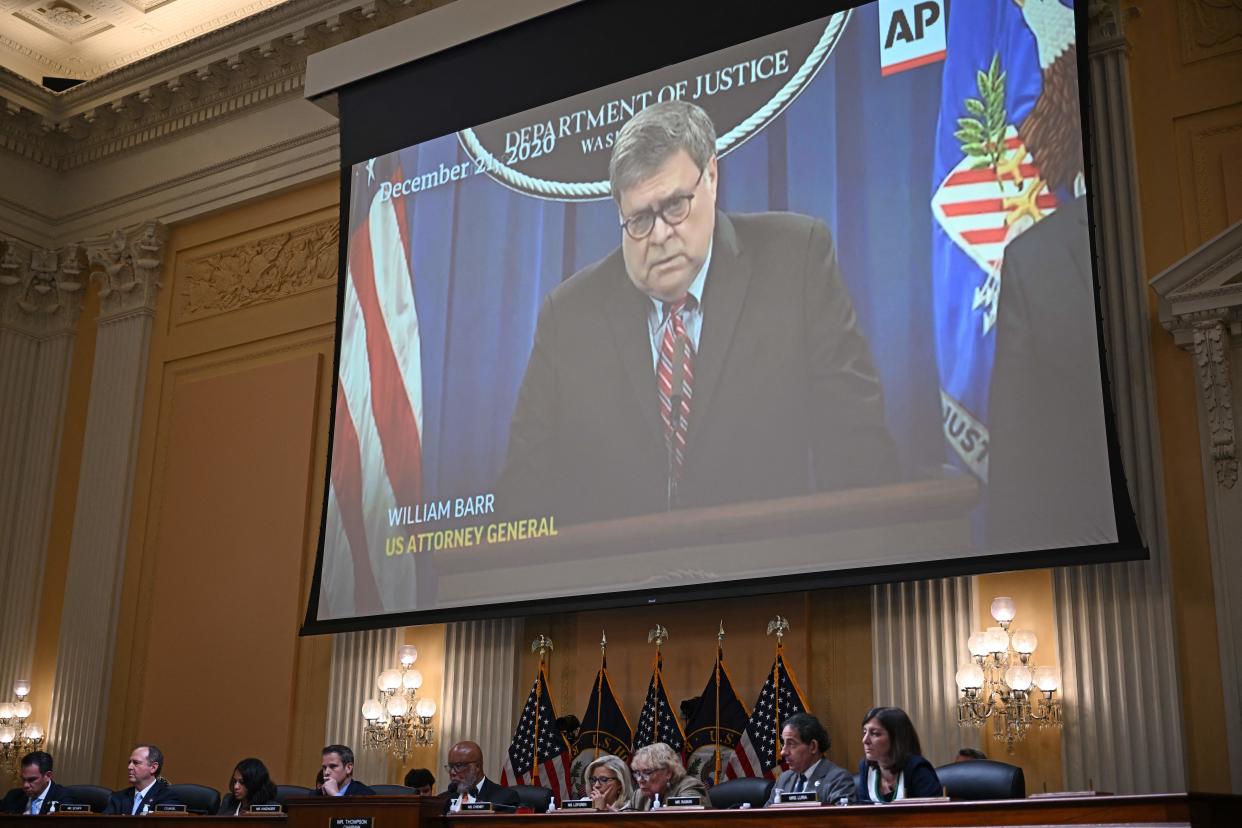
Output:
x=87 y=38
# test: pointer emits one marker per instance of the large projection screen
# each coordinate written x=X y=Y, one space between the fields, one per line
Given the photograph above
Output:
x=888 y=364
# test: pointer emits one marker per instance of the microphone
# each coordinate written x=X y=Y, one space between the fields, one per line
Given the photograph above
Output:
x=452 y=788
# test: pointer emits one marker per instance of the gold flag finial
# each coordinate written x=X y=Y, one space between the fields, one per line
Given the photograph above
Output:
x=658 y=634
x=603 y=642
x=780 y=626
x=541 y=645
x=720 y=634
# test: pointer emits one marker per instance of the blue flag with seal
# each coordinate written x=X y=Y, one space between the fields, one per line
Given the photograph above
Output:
x=1006 y=61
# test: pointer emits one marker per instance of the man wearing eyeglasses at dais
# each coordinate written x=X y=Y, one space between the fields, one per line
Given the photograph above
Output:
x=712 y=358
x=467 y=779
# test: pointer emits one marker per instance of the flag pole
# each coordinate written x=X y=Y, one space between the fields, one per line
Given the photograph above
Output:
x=659 y=635
x=542 y=644
x=779 y=626
x=599 y=687
x=719 y=657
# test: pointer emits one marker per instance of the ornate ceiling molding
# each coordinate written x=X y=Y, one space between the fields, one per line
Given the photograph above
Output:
x=1201 y=305
x=221 y=75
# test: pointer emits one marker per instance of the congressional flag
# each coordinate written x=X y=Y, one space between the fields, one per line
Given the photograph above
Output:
x=539 y=753
x=986 y=191
x=716 y=725
x=658 y=720
x=758 y=751
x=605 y=728
x=377 y=439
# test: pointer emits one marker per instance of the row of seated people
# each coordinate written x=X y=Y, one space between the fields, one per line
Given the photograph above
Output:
x=892 y=769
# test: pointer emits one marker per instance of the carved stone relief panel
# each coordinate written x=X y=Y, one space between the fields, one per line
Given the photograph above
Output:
x=1208 y=143
x=257 y=271
x=1209 y=28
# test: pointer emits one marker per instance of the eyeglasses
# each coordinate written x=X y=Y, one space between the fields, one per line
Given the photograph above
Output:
x=644 y=775
x=602 y=780
x=674 y=210
x=459 y=766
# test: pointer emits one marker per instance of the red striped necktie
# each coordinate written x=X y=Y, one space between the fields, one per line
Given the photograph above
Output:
x=674 y=381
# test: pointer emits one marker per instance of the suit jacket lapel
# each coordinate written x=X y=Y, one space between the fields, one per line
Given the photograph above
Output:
x=627 y=313
x=723 y=296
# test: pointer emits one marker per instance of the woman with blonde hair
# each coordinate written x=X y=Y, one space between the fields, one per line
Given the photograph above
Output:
x=658 y=772
x=607 y=783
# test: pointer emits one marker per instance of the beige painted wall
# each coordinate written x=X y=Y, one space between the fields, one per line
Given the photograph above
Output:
x=1186 y=77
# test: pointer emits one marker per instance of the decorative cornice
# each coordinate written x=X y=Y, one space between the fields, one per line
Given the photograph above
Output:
x=127 y=266
x=40 y=289
x=1201 y=305
x=255 y=62
x=1105 y=26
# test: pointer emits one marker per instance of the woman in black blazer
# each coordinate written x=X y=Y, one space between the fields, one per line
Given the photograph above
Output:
x=892 y=768
x=250 y=785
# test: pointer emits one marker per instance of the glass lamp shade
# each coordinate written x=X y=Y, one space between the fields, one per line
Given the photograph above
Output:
x=22 y=709
x=978 y=644
x=6 y=710
x=372 y=710
x=997 y=640
x=412 y=680
x=1004 y=609
x=407 y=654
x=1047 y=679
x=7 y=734
x=1018 y=677
x=388 y=681
x=21 y=687
x=1024 y=641
x=970 y=677
x=398 y=706
x=34 y=732
x=426 y=708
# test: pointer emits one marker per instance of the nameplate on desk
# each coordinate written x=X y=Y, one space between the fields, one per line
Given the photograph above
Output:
x=267 y=808
x=351 y=822
x=576 y=805
x=170 y=808
x=684 y=802
x=476 y=807
x=799 y=799
x=73 y=808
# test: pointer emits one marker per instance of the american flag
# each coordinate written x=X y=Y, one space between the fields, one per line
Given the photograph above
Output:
x=377 y=434
x=658 y=722
x=537 y=731
x=758 y=751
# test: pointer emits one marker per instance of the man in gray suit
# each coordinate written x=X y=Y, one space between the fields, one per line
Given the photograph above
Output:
x=803 y=742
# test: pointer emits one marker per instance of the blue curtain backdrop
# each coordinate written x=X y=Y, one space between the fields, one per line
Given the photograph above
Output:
x=855 y=149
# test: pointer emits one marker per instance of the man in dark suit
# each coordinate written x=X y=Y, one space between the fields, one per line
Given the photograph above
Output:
x=466 y=777
x=146 y=789
x=710 y=359
x=803 y=742
x=38 y=791
x=338 y=773
x=1048 y=472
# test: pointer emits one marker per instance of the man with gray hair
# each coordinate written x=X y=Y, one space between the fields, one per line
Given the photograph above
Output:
x=803 y=743
x=710 y=359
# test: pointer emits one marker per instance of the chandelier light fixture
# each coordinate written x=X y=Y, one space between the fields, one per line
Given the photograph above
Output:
x=1002 y=683
x=18 y=736
x=399 y=720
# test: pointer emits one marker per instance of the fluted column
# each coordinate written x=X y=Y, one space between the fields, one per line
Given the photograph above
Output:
x=919 y=632
x=127 y=267
x=40 y=301
x=1123 y=731
x=357 y=658
x=480 y=688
